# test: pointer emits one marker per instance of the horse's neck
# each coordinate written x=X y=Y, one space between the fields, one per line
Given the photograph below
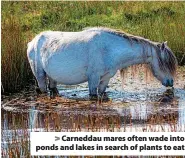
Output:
x=133 y=54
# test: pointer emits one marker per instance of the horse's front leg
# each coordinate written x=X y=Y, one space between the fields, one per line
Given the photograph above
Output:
x=93 y=82
x=102 y=87
x=53 y=88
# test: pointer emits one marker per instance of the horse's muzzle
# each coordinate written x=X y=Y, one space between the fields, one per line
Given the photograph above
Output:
x=168 y=83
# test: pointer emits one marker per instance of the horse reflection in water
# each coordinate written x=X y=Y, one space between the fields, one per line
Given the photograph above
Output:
x=95 y=55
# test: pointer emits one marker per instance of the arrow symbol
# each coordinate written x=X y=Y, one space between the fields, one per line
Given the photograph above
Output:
x=57 y=138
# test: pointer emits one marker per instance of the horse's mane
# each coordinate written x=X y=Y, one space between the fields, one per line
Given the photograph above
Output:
x=123 y=34
x=170 y=61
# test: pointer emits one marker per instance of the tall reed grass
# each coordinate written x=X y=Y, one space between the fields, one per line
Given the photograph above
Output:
x=15 y=68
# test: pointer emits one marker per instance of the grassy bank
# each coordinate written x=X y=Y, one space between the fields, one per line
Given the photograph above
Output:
x=158 y=21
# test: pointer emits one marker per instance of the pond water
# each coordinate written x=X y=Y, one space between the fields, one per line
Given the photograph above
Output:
x=142 y=104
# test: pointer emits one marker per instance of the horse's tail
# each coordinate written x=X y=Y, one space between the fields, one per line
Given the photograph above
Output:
x=34 y=58
x=33 y=47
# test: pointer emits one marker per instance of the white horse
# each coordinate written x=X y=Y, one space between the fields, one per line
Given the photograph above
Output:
x=95 y=55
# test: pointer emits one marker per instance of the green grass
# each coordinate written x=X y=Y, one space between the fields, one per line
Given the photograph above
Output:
x=158 y=21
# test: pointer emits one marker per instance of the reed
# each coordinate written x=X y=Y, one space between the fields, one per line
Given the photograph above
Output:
x=15 y=69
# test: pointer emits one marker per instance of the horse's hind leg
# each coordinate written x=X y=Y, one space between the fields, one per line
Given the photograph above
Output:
x=36 y=66
x=53 y=88
x=41 y=80
x=40 y=76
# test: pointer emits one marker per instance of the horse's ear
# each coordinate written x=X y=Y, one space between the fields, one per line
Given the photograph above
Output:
x=164 y=44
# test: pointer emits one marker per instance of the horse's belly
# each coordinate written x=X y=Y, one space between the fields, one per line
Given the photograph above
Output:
x=68 y=78
x=69 y=72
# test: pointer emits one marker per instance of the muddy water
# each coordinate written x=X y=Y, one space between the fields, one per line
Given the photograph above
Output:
x=142 y=104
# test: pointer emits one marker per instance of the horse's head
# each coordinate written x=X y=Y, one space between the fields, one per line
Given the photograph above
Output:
x=163 y=64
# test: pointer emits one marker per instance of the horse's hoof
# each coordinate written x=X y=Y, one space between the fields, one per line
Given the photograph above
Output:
x=93 y=97
x=54 y=93
x=104 y=97
x=38 y=91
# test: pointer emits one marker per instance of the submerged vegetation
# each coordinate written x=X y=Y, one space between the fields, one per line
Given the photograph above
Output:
x=21 y=21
